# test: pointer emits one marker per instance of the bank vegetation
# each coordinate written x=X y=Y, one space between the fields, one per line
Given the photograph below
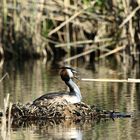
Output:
x=49 y=28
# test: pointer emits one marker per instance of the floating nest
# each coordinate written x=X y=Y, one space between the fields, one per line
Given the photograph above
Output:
x=54 y=110
x=59 y=112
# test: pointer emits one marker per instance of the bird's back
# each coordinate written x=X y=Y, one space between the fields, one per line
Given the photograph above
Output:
x=50 y=96
x=57 y=97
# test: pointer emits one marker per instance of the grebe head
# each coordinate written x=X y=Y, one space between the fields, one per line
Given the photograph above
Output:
x=67 y=73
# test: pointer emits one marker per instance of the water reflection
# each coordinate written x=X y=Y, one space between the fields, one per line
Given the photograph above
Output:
x=66 y=129
x=52 y=130
x=28 y=80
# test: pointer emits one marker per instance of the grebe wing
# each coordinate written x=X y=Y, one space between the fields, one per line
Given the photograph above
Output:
x=50 y=96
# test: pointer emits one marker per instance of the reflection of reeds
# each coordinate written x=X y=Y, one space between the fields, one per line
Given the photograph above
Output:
x=6 y=122
x=4 y=77
x=5 y=12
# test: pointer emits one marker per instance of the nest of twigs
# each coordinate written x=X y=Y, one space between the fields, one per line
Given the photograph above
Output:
x=59 y=111
x=53 y=111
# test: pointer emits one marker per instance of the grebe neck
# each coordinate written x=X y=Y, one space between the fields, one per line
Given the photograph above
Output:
x=74 y=89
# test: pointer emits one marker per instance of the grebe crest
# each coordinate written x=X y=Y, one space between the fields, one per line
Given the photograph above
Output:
x=67 y=73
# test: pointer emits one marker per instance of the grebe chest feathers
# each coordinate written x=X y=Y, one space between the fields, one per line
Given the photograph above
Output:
x=71 y=97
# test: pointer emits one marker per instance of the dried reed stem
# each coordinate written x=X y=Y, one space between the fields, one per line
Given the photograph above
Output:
x=5 y=129
x=84 y=42
x=113 y=51
x=68 y=20
x=129 y=16
x=88 y=52
x=129 y=80
x=78 y=55
x=64 y=23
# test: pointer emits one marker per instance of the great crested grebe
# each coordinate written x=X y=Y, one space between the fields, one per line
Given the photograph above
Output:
x=73 y=96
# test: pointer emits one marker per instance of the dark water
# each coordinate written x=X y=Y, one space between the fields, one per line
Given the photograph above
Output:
x=31 y=79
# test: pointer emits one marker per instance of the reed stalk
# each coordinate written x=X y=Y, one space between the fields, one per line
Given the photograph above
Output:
x=70 y=19
x=129 y=80
x=129 y=17
x=85 y=42
x=112 y=52
x=6 y=123
x=94 y=48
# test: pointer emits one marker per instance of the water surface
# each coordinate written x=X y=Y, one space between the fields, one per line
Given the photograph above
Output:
x=31 y=79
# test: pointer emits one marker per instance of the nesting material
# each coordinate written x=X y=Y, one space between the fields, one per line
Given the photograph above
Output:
x=54 y=110
x=59 y=111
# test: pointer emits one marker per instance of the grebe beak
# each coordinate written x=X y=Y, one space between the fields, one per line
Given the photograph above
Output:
x=77 y=77
x=75 y=73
